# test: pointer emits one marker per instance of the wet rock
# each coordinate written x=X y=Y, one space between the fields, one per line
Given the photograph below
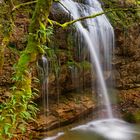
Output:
x=127 y=59
x=67 y=110
x=46 y=122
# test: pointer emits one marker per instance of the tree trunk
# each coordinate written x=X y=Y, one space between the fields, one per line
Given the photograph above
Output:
x=16 y=109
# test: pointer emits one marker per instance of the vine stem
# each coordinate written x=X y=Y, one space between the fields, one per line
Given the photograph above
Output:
x=23 y=4
x=64 y=25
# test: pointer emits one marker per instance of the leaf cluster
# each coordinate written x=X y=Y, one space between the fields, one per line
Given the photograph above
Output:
x=27 y=111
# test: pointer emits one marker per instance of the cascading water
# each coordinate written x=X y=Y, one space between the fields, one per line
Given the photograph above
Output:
x=98 y=37
x=45 y=82
x=43 y=72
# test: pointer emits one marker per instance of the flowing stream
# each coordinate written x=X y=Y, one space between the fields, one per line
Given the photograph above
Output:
x=98 y=36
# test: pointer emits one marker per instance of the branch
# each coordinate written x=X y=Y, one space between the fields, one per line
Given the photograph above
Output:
x=81 y=18
x=64 y=25
x=32 y=2
x=11 y=3
x=23 y=4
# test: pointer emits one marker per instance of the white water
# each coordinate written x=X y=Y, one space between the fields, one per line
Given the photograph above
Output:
x=98 y=37
x=45 y=83
x=105 y=129
x=43 y=71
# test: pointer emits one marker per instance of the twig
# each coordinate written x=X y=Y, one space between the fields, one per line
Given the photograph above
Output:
x=64 y=25
x=23 y=4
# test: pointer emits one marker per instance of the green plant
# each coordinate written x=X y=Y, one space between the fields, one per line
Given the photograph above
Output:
x=15 y=113
x=27 y=111
x=126 y=14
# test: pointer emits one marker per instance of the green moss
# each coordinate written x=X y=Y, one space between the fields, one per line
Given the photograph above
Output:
x=19 y=106
x=86 y=65
x=120 y=18
x=137 y=116
x=129 y=117
x=70 y=42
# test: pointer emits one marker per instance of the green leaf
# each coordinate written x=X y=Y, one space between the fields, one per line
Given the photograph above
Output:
x=13 y=117
x=23 y=97
x=35 y=89
x=6 y=128
x=13 y=88
x=11 y=111
x=25 y=115
x=22 y=128
x=49 y=31
x=42 y=26
x=36 y=80
x=2 y=118
x=34 y=94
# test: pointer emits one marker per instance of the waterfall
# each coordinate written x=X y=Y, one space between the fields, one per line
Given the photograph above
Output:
x=98 y=36
x=43 y=72
x=45 y=83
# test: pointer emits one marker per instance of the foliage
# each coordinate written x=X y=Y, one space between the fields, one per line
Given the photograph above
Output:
x=126 y=14
x=15 y=113
x=19 y=118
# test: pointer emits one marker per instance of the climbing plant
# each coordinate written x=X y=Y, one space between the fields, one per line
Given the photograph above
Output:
x=19 y=108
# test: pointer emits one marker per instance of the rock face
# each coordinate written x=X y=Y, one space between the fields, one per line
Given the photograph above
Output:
x=127 y=73
x=64 y=110
x=127 y=58
x=130 y=104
